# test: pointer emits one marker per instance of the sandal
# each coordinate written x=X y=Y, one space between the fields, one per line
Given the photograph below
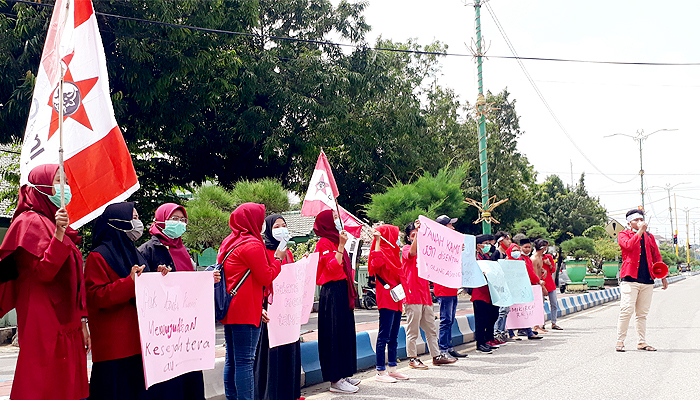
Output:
x=620 y=348
x=557 y=327
x=646 y=347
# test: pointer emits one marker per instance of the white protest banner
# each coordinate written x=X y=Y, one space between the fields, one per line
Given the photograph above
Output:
x=498 y=288
x=176 y=323
x=472 y=276
x=292 y=300
x=439 y=253
x=527 y=315
x=517 y=279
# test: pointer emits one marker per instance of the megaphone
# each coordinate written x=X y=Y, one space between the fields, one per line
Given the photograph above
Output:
x=660 y=270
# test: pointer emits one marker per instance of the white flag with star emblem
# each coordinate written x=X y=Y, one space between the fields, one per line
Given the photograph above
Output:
x=98 y=165
x=322 y=190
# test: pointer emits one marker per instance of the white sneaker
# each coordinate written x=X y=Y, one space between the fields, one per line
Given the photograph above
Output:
x=353 y=381
x=384 y=377
x=398 y=375
x=343 y=386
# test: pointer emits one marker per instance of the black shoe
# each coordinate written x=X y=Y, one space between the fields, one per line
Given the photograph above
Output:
x=484 y=349
x=456 y=354
x=534 y=337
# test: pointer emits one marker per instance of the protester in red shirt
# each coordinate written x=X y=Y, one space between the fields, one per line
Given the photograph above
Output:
x=242 y=323
x=516 y=252
x=337 y=349
x=485 y=313
x=42 y=270
x=277 y=369
x=110 y=272
x=543 y=265
x=384 y=263
x=639 y=254
x=418 y=304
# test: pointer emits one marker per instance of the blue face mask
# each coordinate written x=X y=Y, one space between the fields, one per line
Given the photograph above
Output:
x=174 y=229
x=55 y=198
x=398 y=243
x=486 y=249
x=515 y=254
x=338 y=225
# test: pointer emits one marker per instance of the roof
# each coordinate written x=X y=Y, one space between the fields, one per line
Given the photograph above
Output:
x=298 y=225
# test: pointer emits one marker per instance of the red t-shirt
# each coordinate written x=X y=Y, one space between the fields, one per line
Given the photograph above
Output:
x=548 y=271
x=417 y=289
x=481 y=293
x=329 y=270
x=390 y=276
x=442 y=291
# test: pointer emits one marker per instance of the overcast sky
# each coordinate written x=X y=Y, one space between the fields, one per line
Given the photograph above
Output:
x=590 y=100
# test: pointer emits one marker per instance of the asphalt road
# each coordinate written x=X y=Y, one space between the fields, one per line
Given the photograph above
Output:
x=577 y=363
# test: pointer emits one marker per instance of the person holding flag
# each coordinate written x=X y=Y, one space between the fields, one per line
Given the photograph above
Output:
x=43 y=273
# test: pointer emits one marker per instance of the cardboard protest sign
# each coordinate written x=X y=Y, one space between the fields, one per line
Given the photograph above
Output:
x=527 y=315
x=472 y=276
x=176 y=323
x=498 y=288
x=439 y=253
x=292 y=300
x=517 y=279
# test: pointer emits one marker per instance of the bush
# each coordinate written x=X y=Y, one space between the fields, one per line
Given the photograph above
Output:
x=430 y=196
x=265 y=191
x=208 y=214
x=579 y=247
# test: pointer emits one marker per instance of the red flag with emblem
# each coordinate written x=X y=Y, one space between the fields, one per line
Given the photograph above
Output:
x=98 y=165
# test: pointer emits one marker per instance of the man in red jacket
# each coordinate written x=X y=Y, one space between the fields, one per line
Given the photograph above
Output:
x=639 y=253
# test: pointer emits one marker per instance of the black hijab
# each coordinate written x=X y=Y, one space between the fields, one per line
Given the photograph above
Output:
x=112 y=244
x=270 y=242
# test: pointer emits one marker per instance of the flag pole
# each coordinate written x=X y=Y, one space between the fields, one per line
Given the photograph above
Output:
x=61 y=172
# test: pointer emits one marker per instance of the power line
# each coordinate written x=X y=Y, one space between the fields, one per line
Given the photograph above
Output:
x=541 y=96
x=365 y=47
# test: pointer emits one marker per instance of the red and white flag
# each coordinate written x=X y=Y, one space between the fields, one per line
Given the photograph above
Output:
x=321 y=196
x=98 y=165
x=322 y=190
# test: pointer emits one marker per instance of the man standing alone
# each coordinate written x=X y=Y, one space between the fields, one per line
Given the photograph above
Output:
x=639 y=253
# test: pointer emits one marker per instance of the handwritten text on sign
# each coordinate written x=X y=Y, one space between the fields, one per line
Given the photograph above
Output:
x=498 y=288
x=527 y=315
x=292 y=301
x=439 y=253
x=176 y=323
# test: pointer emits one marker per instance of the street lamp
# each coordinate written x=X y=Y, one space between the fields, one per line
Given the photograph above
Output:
x=668 y=188
x=640 y=136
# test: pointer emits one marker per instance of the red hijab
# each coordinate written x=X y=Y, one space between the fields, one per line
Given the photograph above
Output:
x=178 y=251
x=324 y=226
x=510 y=250
x=32 y=229
x=246 y=225
x=391 y=254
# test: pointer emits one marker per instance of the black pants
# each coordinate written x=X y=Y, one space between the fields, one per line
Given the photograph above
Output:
x=485 y=316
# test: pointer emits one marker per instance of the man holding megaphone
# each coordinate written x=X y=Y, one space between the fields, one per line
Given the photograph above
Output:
x=639 y=256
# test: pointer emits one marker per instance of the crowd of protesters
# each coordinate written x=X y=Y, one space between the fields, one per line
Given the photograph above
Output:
x=66 y=308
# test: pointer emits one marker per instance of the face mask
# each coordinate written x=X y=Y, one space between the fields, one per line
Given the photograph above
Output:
x=338 y=225
x=515 y=254
x=486 y=249
x=398 y=243
x=526 y=254
x=635 y=230
x=174 y=229
x=136 y=229
x=56 y=198
x=280 y=233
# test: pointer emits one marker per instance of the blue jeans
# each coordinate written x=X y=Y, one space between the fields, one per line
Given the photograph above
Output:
x=241 y=342
x=448 y=308
x=389 y=322
x=500 y=326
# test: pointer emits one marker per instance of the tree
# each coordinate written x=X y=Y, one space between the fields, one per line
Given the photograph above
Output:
x=265 y=191
x=578 y=247
x=208 y=215
x=429 y=196
x=531 y=229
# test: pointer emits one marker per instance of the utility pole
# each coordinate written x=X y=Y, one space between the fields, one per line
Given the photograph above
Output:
x=640 y=137
x=687 y=235
x=481 y=111
x=675 y=203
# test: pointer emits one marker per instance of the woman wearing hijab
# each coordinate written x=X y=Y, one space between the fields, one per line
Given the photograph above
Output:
x=336 y=323
x=515 y=252
x=277 y=369
x=165 y=252
x=243 y=250
x=385 y=264
x=110 y=272
x=43 y=273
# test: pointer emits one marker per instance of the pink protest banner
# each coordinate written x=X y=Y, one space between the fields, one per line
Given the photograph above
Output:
x=292 y=301
x=439 y=253
x=527 y=315
x=176 y=323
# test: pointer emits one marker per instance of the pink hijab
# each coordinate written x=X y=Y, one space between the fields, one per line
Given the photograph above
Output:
x=177 y=250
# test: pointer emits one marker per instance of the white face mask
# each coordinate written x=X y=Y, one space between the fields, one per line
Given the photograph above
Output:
x=338 y=225
x=515 y=254
x=281 y=233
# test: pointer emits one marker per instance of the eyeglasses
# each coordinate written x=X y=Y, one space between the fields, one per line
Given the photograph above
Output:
x=178 y=219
